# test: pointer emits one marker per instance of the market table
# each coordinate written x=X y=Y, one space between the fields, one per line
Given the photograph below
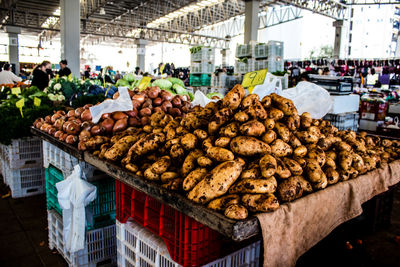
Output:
x=289 y=231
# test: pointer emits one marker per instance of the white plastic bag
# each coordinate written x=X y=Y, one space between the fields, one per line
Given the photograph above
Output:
x=272 y=84
x=122 y=103
x=201 y=99
x=309 y=97
x=73 y=195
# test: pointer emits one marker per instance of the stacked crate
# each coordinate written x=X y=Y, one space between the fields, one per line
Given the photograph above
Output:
x=21 y=167
x=344 y=121
x=202 y=66
x=100 y=214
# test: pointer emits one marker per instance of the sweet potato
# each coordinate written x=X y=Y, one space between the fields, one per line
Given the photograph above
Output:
x=255 y=186
x=193 y=178
x=289 y=189
x=252 y=128
x=249 y=146
x=219 y=154
x=281 y=149
x=236 y=212
x=221 y=203
x=260 y=202
x=234 y=97
x=217 y=182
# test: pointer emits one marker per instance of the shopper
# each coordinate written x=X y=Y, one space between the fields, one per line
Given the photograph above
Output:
x=40 y=75
x=64 y=71
x=7 y=77
x=372 y=77
x=87 y=73
x=138 y=71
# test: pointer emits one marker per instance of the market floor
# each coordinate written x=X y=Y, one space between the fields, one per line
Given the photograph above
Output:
x=24 y=239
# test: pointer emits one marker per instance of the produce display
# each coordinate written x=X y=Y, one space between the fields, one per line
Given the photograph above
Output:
x=237 y=156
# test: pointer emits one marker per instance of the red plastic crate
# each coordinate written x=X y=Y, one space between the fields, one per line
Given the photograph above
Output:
x=189 y=242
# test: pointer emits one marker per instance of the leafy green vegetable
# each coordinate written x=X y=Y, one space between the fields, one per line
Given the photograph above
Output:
x=210 y=95
x=176 y=81
x=163 y=84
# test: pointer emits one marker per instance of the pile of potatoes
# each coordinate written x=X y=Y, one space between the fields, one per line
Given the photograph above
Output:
x=244 y=154
x=75 y=126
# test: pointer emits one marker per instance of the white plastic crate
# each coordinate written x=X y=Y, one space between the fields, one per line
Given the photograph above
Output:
x=204 y=54
x=24 y=182
x=23 y=153
x=244 y=50
x=271 y=64
x=244 y=67
x=201 y=67
x=261 y=51
x=275 y=49
x=63 y=161
x=344 y=121
x=137 y=246
x=100 y=245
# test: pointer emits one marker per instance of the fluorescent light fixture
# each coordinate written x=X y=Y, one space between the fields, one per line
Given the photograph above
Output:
x=183 y=11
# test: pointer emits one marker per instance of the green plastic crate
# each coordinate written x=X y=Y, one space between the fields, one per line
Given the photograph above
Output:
x=200 y=79
x=100 y=213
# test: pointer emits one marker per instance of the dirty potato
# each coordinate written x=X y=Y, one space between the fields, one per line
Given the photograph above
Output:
x=219 y=154
x=236 y=212
x=269 y=136
x=241 y=116
x=204 y=161
x=222 y=141
x=234 y=97
x=281 y=149
x=252 y=128
x=268 y=165
x=231 y=130
x=168 y=176
x=260 y=202
x=293 y=166
x=249 y=146
x=221 y=203
x=189 y=141
x=200 y=134
x=193 y=178
x=282 y=131
x=255 y=186
x=289 y=189
x=161 y=165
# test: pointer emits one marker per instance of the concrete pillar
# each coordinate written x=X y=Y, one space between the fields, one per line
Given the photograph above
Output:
x=13 y=46
x=70 y=22
x=338 y=24
x=224 y=53
x=141 y=53
x=251 y=10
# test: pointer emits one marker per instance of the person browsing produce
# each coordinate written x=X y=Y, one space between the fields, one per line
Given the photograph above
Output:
x=40 y=75
x=7 y=77
x=64 y=71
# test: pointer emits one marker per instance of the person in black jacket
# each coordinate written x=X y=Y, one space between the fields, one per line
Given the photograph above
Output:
x=64 y=71
x=40 y=76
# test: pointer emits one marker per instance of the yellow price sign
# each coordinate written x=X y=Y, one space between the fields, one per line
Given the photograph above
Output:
x=254 y=78
x=162 y=68
x=37 y=101
x=20 y=104
x=16 y=90
x=143 y=83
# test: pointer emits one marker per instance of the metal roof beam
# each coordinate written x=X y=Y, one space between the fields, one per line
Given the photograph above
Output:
x=372 y=2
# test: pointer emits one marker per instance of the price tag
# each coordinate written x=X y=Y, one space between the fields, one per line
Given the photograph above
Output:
x=254 y=78
x=162 y=68
x=19 y=104
x=16 y=90
x=143 y=83
x=37 y=101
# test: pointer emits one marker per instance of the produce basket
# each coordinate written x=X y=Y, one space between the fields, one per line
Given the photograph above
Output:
x=99 y=213
x=202 y=67
x=275 y=49
x=137 y=246
x=200 y=79
x=189 y=242
x=244 y=50
x=99 y=248
x=204 y=54
x=63 y=161
x=23 y=153
x=344 y=121
x=244 y=67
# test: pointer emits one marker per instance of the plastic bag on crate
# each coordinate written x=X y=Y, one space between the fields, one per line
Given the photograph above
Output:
x=309 y=97
x=272 y=84
x=122 y=103
x=74 y=193
x=201 y=99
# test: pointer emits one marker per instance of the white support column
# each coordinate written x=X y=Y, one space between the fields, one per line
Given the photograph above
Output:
x=224 y=53
x=338 y=24
x=13 y=46
x=70 y=22
x=141 y=54
x=251 y=20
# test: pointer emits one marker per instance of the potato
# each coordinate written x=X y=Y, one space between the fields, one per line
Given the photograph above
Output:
x=236 y=212
x=168 y=176
x=282 y=170
x=120 y=148
x=307 y=137
x=189 y=141
x=314 y=171
x=284 y=104
x=327 y=142
x=255 y=186
x=219 y=154
x=281 y=149
x=268 y=165
x=342 y=146
x=305 y=120
x=353 y=173
x=217 y=182
x=293 y=166
x=251 y=173
x=250 y=100
x=358 y=163
x=269 y=136
x=176 y=151
x=220 y=118
x=345 y=160
x=300 y=151
x=221 y=203
x=249 y=146
x=172 y=142
x=318 y=154
x=150 y=175
x=289 y=189
x=241 y=116
x=222 y=141
x=161 y=165
x=331 y=154
x=193 y=178
x=231 y=130
x=275 y=114
x=269 y=124
x=174 y=184
x=257 y=111
x=171 y=133
x=301 y=161
x=294 y=141
x=322 y=184
x=305 y=185
x=200 y=134
x=369 y=163
x=208 y=142
x=131 y=167
x=332 y=175
x=260 y=202
x=329 y=162
x=190 y=160
x=252 y=128
x=293 y=122
x=282 y=131
x=204 y=161
x=266 y=101
x=234 y=97
x=149 y=143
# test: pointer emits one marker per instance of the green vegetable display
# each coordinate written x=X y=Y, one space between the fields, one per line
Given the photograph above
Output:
x=163 y=84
